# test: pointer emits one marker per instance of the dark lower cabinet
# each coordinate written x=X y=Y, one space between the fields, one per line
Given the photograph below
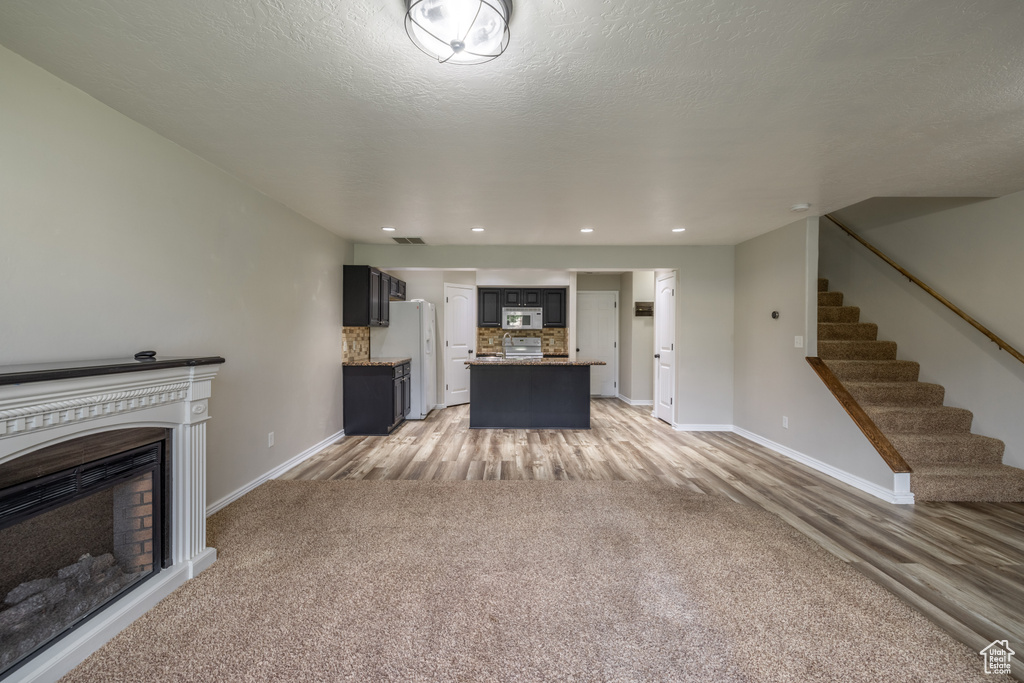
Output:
x=376 y=397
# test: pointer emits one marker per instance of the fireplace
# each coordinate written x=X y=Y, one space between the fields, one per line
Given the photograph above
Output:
x=102 y=502
x=78 y=536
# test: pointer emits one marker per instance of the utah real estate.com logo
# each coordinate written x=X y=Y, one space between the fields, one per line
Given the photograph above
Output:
x=997 y=657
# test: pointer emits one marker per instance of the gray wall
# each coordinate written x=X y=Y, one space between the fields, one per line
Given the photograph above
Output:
x=704 y=303
x=773 y=378
x=429 y=286
x=972 y=255
x=636 y=338
x=116 y=240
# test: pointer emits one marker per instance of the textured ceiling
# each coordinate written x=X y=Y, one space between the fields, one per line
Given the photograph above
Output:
x=629 y=117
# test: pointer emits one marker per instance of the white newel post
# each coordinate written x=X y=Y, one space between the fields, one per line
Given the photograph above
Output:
x=34 y=415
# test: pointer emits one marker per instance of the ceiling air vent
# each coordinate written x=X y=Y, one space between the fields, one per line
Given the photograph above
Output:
x=409 y=240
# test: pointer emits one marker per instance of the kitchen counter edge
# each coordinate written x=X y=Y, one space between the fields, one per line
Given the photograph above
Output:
x=533 y=361
x=375 y=362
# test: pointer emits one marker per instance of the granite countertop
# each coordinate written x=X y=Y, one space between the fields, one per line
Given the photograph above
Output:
x=381 y=362
x=532 y=361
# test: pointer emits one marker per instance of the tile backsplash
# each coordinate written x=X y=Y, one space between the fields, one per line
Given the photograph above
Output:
x=355 y=344
x=555 y=340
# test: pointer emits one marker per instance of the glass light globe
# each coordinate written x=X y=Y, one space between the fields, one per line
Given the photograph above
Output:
x=459 y=31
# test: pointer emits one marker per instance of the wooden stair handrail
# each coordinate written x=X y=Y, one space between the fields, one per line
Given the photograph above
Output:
x=948 y=304
x=860 y=418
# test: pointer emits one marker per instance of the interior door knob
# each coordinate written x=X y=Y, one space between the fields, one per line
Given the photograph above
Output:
x=657 y=355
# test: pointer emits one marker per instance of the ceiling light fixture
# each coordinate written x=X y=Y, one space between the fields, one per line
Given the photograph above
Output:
x=798 y=208
x=586 y=230
x=477 y=229
x=388 y=229
x=678 y=229
x=459 y=31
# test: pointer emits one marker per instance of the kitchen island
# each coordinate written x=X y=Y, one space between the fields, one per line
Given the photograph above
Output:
x=529 y=393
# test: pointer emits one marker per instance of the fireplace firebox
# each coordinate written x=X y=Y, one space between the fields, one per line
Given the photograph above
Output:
x=73 y=540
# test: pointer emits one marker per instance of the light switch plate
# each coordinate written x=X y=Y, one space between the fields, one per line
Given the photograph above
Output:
x=798 y=342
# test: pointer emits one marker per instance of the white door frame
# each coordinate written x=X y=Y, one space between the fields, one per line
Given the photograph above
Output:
x=615 y=364
x=449 y=321
x=664 y=332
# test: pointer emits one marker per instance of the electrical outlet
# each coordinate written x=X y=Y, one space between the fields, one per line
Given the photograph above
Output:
x=785 y=422
x=270 y=439
x=798 y=342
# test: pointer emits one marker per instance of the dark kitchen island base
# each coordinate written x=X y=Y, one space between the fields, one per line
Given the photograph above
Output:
x=529 y=396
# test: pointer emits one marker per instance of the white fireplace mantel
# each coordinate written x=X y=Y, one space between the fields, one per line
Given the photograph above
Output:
x=172 y=393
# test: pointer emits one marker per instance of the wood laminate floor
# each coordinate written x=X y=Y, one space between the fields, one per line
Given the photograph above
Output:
x=960 y=564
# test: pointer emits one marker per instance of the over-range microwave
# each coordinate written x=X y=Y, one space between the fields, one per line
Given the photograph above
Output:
x=522 y=318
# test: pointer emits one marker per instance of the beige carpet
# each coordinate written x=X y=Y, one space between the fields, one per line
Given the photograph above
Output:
x=521 y=581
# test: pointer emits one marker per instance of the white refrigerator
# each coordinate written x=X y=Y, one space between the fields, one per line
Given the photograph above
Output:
x=411 y=333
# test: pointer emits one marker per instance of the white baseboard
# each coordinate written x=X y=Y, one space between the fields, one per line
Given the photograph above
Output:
x=634 y=402
x=273 y=474
x=899 y=494
x=702 y=428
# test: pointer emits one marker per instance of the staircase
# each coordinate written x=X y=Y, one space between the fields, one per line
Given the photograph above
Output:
x=948 y=462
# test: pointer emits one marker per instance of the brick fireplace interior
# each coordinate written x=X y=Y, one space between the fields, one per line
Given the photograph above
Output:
x=80 y=523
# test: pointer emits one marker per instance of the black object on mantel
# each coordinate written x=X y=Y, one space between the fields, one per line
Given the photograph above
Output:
x=45 y=372
x=146 y=355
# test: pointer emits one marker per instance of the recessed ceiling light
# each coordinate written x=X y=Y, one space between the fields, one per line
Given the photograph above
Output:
x=586 y=230
x=477 y=229
x=388 y=229
x=799 y=207
x=678 y=229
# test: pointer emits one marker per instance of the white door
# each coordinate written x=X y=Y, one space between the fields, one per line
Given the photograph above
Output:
x=665 y=347
x=460 y=340
x=597 y=338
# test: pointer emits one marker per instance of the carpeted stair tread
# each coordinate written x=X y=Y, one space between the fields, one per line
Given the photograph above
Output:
x=982 y=483
x=857 y=350
x=838 y=314
x=896 y=393
x=830 y=298
x=874 y=370
x=920 y=419
x=948 y=462
x=921 y=450
x=847 y=331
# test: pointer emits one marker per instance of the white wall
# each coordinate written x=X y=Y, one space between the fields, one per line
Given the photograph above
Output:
x=704 y=303
x=116 y=240
x=773 y=378
x=971 y=255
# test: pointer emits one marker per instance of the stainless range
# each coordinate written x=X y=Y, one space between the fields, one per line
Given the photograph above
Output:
x=521 y=347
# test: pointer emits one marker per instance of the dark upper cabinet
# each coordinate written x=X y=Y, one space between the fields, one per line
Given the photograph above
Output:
x=365 y=297
x=553 y=302
x=489 y=304
x=490 y=301
x=384 y=315
x=397 y=292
